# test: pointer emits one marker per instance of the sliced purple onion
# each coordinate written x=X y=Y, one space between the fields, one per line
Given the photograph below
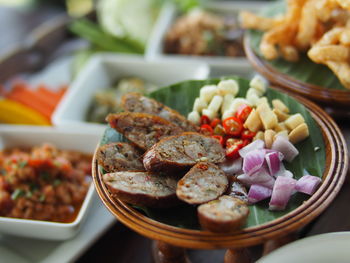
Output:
x=284 y=146
x=232 y=167
x=270 y=151
x=283 y=172
x=273 y=160
x=253 y=161
x=288 y=174
x=255 y=145
x=308 y=184
x=260 y=177
x=281 y=193
x=257 y=193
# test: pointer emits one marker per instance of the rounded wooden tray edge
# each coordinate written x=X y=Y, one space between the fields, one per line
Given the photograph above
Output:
x=337 y=154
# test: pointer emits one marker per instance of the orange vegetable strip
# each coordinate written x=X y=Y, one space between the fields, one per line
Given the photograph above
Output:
x=30 y=99
x=52 y=97
x=33 y=94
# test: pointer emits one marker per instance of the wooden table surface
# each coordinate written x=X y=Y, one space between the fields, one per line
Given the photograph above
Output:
x=122 y=245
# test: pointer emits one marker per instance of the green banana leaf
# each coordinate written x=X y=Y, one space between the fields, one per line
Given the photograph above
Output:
x=180 y=97
x=303 y=70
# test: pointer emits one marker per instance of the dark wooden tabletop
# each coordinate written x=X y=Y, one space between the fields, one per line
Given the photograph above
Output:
x=120 y=244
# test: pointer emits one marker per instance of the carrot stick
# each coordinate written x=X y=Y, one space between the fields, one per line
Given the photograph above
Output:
x=52 y=97
x=37 y=96
x=30 y=99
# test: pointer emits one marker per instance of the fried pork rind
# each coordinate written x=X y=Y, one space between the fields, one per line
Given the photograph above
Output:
x=320 y=28
x=250 y=20
x=307 y=26
x=333 y=50
x=336 y=53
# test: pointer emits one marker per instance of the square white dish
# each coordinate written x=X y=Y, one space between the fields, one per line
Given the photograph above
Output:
x=29 y=136
x=104 y=69
x=217 y=63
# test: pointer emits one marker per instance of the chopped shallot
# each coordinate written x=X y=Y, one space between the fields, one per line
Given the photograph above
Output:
x=308 y=184
x=264 y=172
x=260 y=177
x=283 y=172
x=232 y=166
x=284 y=146
x=257 y=193
x=281 y=193
x=255 y=145
x=273 y=160
x=253 y=161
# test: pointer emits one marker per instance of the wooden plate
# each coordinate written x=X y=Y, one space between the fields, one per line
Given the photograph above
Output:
x=334 y=98
x=333 y=178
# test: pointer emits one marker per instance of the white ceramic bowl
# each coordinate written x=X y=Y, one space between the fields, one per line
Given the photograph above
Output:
x=104 y=70
x=324 y=248
x=219 y=65
x=29 y=136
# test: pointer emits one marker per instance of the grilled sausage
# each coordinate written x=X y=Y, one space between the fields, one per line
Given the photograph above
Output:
x=142 y=129
x=120 y=156
x=143 y=188
x=135 y=102
x=223 y=215
x=203 y=183
x=183 y=151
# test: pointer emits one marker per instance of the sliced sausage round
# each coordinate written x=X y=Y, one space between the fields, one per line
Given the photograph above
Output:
x=203 y=183
x=135 y=102
x=142 y=129
x=143 y=188
x=120 y=156
x=224 y=215
x=182 y=152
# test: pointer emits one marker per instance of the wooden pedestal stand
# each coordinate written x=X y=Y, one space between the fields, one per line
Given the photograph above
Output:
x=171 y=241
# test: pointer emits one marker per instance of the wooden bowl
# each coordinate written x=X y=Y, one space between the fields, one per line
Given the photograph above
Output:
x=333 y=98
x=333 y=178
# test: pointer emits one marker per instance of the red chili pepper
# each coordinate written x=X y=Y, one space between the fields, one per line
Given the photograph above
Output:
x=246 y=142
x=233 y=126
x=232 y=152
x=39 y=163
x=204 y=120
x=247 y=134
x=206 y=129
x=243 y=112
x=220 y=138
x=215 y=122
x=234 y=141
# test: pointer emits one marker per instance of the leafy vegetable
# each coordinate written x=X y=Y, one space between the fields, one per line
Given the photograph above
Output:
x=22 y=164
x=187 y=5
x=304 y=70
x=17 y=193
x=103 y=40
x=185 y=94
x=124 y=18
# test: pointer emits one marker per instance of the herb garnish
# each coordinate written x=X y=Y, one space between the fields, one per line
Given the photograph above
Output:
x=17 y=193
x=22 y=164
